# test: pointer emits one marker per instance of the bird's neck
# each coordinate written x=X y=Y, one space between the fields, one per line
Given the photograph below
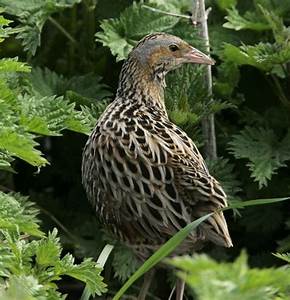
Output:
x=139 y=82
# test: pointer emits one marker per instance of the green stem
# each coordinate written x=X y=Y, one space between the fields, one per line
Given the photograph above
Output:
x=156 y=10
x=72 y=48
x=58 y=223
x=280 y=93
x=62 y=29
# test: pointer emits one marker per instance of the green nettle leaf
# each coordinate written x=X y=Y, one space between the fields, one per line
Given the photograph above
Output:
x=36 y=265
x=5 y=161
x=218 y=105
x=174 y=6
x=4 y=27
x=12 y=65
x=103 y=257
x=121 y=34
x=21 y=145
x=125 y=262
x=237 y=56
x=281 y=33
x=32 y=16
x=227 y=281
x=283 y=256
x=265 y=152
x=186 y=90
x=48 y=250
x=280 y=8
x=17 y=214
x=87 y=271
x=23 y=116
x=264 y=56
x=25 y=287
x=89 y=86
x=186 y=97
x=188 y=33
x=219 y=36
x=50 y=115
x=30 y=34
x=94 y=111
x=251 y=20
x=44 y=82
x=181 y=117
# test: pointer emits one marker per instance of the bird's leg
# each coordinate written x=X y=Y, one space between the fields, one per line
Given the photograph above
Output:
x=146 y=284
x=179 y=289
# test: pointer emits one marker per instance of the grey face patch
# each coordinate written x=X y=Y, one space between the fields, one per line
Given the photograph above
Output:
x=149 y=44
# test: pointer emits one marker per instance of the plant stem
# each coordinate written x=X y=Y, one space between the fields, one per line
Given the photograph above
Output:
x=59 y=224
x=63 y=30
x=72 y=47
x=156 y=10
x=208 y=125
x=280 y=93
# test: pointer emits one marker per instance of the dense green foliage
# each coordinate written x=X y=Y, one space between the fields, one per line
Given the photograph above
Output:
x=34 y=266
x=212 y=280
x=58 y=70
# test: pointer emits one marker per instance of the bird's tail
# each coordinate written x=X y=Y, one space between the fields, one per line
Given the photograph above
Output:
x=217 y=230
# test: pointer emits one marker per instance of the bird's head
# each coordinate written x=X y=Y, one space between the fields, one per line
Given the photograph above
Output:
x=151 y=59
x=164 y=52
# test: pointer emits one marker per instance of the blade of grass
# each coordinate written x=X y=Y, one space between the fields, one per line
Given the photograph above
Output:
x=242 y=204
x=105 y=255
x=173 y=242
x=162 y=252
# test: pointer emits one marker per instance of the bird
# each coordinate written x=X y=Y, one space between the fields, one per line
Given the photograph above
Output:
x=143 y=175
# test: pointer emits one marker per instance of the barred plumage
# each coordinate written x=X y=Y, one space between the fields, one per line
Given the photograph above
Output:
x=144 y=176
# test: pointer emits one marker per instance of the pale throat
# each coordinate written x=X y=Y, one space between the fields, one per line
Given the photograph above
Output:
x=139 y=81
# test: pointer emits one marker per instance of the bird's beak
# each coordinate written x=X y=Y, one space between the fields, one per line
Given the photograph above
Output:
x=197 y=57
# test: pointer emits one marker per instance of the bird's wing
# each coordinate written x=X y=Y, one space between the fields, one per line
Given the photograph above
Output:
x=196 y=188
x=191 y=191
x=149 y=177
x=127 y=180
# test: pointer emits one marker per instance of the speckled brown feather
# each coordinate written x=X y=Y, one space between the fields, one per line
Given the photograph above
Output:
x=144 y=175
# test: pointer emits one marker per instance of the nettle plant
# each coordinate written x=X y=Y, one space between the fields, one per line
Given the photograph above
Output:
x=36 y=104
x=31 y=262
x=30 y=268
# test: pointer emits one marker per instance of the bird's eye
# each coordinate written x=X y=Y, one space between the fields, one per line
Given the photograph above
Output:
x=173 y=48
